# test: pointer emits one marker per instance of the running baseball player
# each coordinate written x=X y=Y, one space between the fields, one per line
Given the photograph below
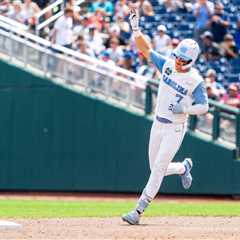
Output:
x=181 y=92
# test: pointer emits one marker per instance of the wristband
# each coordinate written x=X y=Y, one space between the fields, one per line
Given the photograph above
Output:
x=136 y=33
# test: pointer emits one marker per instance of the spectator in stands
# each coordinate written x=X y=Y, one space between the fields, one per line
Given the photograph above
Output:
x=106 y=25
x=95 y=40
x=15 y=12
x=146 y=10
x=29 y=11
x=121 y=7
x=228 y=47
x=161 y=40
x=106 y=7
x=232 y=98
x=114 y=33
x=145 y=7
x=82 y=47
x=124 y=27
x=210 y=49
x=237 y=33
x=219 y=23
x=170 y=5
x=43 y=3
x=97 y=19
x=105 y=57
x=217 y=89
x=83 y=27
x=184 y=6
x=203 y=10
x=76 y=10
x=169 y=49
x=63 y=29
x=4 y=6
x=210 y=92
x=127 y=61
x=115 y=51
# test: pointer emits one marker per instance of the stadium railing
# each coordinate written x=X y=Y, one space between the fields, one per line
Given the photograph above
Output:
x=221 y=124
x=59 y=5
x=68 y=66
x=83 y=73
x=13 y=23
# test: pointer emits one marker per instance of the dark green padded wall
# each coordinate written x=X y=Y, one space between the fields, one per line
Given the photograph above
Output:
x=59 y=140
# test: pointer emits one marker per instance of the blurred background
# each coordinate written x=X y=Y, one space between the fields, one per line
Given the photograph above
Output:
x=78 y=98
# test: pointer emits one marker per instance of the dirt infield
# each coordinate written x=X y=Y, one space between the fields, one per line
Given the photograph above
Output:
x=166 y=228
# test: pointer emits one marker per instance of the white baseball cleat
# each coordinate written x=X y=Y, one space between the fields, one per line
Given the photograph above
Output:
x=186 y=178
x=131 y=217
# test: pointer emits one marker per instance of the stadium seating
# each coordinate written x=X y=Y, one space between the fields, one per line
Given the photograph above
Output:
x=181 y=25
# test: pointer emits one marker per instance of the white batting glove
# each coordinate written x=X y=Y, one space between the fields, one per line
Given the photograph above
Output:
x=134 y=19
x=178 y=108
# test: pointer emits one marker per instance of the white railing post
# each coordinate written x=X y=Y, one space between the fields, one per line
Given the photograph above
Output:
x=65 y=69
x=12 y=23
x=108 y=84
x=45 y=62
x=128 y=101
x=11 y=46
x=25 y=53
x=85 y=77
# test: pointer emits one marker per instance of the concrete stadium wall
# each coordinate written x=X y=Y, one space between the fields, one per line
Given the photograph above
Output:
x=54 y=139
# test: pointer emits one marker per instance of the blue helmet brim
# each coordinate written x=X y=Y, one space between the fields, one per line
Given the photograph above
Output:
x=182 y=56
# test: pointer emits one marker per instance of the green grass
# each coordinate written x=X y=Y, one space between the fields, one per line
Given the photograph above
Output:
x=54 y=209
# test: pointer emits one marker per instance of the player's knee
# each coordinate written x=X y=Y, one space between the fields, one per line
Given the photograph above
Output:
x=160 y=168
x=162 y=161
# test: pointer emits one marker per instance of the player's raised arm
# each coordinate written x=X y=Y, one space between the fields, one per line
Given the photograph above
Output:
x=142 y=42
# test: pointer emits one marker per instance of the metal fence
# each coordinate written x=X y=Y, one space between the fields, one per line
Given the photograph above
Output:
x=113 y=83
x=73 y=67
x=221 y=123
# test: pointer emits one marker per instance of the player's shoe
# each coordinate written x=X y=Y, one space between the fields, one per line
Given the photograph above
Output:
x=131 y=217
x=186 y=178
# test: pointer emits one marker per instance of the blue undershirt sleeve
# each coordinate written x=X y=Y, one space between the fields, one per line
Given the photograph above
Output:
x=200 y=94
x=157 y=59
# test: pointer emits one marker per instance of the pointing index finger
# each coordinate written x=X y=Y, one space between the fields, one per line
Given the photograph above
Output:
x=132 y=9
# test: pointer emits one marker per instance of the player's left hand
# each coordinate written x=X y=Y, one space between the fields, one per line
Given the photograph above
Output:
x=134 y=18
x=178 y=108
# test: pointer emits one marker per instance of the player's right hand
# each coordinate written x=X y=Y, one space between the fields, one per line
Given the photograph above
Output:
x=178 y=108
x=134 y=18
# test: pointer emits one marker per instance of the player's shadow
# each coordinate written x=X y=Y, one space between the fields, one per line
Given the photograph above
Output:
x=138 y=225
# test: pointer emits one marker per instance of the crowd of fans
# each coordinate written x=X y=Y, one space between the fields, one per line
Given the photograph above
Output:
x=103 y=32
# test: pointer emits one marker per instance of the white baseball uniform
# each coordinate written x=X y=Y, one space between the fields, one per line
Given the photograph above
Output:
x=168 y=129
x=180 y=94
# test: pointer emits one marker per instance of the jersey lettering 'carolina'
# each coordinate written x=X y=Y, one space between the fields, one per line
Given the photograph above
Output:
x=174 y=85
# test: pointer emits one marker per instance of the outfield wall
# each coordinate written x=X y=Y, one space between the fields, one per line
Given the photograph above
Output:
x=54 y=139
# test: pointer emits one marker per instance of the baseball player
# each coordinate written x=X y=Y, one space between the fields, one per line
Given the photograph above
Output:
x=181 y=92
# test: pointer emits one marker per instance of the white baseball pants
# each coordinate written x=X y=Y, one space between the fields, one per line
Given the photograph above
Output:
x=165 y=140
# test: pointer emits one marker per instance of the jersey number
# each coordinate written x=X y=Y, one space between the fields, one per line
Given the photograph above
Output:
x=179 y=99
